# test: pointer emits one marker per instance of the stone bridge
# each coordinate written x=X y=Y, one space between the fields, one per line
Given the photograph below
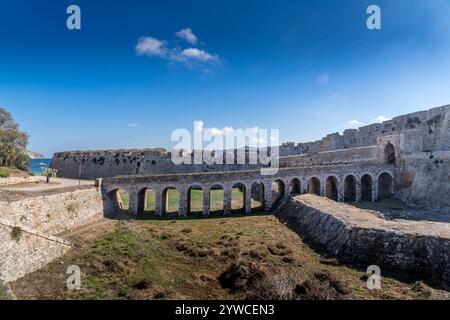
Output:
x=350 y=183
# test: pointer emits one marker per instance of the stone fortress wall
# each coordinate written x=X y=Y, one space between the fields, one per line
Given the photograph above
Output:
x=38 y=222
x=432 y=125
x=111 y=163
x=421 y=142
x=408 y=156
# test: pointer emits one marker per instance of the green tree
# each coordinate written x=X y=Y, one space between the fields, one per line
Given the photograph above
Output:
x=13 y=142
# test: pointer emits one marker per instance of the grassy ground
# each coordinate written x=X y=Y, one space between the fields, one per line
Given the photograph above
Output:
x=216 y=200
x=4 y=292
x=6 y=172
x=183 y=258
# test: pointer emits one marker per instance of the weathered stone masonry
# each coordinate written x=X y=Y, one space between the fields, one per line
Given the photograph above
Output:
x=39 y=220
x=135 y=186
x=419 y=144
x=32 y=251
x=418 y=248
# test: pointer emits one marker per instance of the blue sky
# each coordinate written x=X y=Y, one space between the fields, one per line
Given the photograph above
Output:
x=307 y=68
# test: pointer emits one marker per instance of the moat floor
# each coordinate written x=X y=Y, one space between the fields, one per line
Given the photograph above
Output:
x=183 y=259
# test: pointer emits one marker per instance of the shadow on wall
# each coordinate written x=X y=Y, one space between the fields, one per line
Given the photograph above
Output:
x=115 y=205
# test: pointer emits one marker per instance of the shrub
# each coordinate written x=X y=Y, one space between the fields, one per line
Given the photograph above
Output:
x=279 y=286
x=16 y=233
x=241 y=275
x=4 y=174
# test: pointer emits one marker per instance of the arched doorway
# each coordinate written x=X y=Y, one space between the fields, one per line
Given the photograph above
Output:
x=257 y=195
x=314 y=186
x=120 y=200
x=389 y=154
x=331 y=187
x=238 y=198
x=195 y=199
x=295 y=187
x=170 y=201
x=279 y=192
x=350 y=188
x=385 y=186
x=216 y=198
x=366 y=187
x=146 y=201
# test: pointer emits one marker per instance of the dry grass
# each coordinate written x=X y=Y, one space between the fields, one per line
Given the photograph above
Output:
x=185 y=258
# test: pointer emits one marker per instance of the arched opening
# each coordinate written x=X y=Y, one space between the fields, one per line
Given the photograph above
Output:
x=279 y=192
x=389 y=154
x=216 y=196
x=350 y=188
x=366 y=188
x=170 y=201
x=314 y=186
x=385 y=186
x=195 y=199
x=120 y=200
x=257 y=195
x=295 y=187
x=331 y=187
x=238 y=198
x=146 y=201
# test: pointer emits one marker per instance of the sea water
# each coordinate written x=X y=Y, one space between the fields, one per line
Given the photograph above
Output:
x=34 y=165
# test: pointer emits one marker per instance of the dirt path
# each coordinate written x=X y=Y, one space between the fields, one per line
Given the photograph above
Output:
x=21 y=191
x=41 y=185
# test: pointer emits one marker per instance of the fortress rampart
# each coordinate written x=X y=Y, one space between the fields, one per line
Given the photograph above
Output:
x=432 y=125
x=417 y=144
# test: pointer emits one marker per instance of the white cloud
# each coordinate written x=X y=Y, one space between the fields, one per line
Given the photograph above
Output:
x=133 y=125
x=149 y=46
x=356 y=123
x=198 y=125
x=381 y=118
x=191 y=57
x=187 y=35
x=323 y=79
x=215 y=132
x=260 y=141
x=227 y=130
x=198 y=54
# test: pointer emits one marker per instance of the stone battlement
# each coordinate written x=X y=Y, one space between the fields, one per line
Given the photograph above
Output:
x=432 y=124
x=416 y=144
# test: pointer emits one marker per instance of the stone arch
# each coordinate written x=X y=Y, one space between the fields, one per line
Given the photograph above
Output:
x=385 y=185
x=350 y=188
x=170 y=201
x=238 y=197
x=314 y=186
x=257 y=192
x=146 y=201
x=120 y=200
x=389 y=154
x=195 y=199
x=366 y=187
x=332 y=188
x=295 y=187
x=216 y=198
x=279 y=192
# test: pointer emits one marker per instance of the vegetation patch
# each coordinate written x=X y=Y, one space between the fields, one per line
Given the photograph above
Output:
x=221 y=258
x=16 y=234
